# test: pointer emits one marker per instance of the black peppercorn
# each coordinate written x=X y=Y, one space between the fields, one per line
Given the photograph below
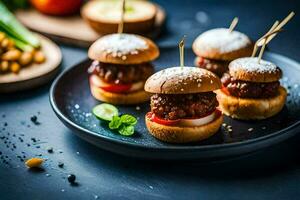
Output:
x=71 y=178
x=50 y=150
x=60 y=164
x=33 y=118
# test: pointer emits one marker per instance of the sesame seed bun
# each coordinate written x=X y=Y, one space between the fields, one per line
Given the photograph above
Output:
x=248 y=69
x=175 y=134
x=118 y=98
x=220 y=44
x=123 y=49
x=104 y=16
x=182 y=80
x=251 y=109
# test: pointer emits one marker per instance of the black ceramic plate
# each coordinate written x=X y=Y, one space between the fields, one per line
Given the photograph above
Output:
x=71 y=100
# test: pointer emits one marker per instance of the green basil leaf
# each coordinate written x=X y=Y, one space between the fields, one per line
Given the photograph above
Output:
x=128 y=120
x=126 y=130
x=115 y=123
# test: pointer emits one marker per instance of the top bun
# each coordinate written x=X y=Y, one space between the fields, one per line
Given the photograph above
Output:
x=104 y=16
x=182 y=80
x=248 y=69
x=220 y=44
x=123 y=49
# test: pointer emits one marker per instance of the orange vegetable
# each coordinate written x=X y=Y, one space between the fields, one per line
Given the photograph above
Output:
x=57 y=7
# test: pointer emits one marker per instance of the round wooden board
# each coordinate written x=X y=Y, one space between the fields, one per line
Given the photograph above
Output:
x=73 y=30
x=35 y=74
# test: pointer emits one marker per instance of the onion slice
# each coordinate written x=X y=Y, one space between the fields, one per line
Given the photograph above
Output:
x=98 y=82
x=198 y=122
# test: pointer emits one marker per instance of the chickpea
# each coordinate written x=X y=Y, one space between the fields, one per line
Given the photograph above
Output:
x=39 y=57
x=11 y=44
x=4 y=43
x=4 y=66
x=26 y=58
x=11 y=55
x=2 y=36
x=34 y=162
x=15 y=67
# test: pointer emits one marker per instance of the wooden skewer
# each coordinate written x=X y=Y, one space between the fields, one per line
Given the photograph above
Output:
x=233 y=24
x=262 y=51
x=181 y=51
x=271 y=34
x=284 y=22
x=256 y=46
x=265 y=39
x=121 y=24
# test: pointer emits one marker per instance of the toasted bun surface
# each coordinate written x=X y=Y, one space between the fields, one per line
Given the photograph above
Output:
x=220 y=44
x=104 y=16
x=123 y=49
x=175 y=134
x=119 y=99
x=248 y=69
x=251 y=109
x=182 y=80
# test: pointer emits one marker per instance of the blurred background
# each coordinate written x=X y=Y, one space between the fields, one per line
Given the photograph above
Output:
x=269 y=174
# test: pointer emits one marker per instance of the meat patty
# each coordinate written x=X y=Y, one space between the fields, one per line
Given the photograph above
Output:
x=179 y=106
x=245 y=89
x=121 y=74
x=216 y=66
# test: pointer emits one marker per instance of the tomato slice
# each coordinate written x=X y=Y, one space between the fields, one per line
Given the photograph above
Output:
x=117 y=88
x=224 y=89
x=218 y=113
x=114 y=88
x=200 y=61
x=158 y=120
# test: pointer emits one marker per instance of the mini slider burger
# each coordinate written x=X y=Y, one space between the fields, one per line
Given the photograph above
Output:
x=217 y=47
x=251 y=90
x=183 y=104
x=120 y=68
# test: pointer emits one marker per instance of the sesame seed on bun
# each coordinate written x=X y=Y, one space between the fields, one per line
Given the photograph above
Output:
x=182 y=80
x=248 y=69
x=221 y=44
x=123 y=49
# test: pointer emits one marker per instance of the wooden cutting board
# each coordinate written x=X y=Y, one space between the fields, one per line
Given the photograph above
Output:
x=35 y=74
x=72 y=30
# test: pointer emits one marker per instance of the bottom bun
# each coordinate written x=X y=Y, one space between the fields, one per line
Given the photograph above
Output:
x=175 y=134
x=118 y=98
x=251 y=109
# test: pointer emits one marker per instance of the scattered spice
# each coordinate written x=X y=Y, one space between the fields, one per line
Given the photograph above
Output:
x=34 y=162
x=60 y=164
x=71 y=178
x=50 y=150
x=34 y=120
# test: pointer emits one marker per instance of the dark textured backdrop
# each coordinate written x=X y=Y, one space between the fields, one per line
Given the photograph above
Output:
x=270 y=174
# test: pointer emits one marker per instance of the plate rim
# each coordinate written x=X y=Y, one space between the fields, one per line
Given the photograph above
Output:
x=64 y=119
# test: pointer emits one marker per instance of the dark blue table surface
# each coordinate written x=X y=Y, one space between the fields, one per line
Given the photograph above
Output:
x=273 y=173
